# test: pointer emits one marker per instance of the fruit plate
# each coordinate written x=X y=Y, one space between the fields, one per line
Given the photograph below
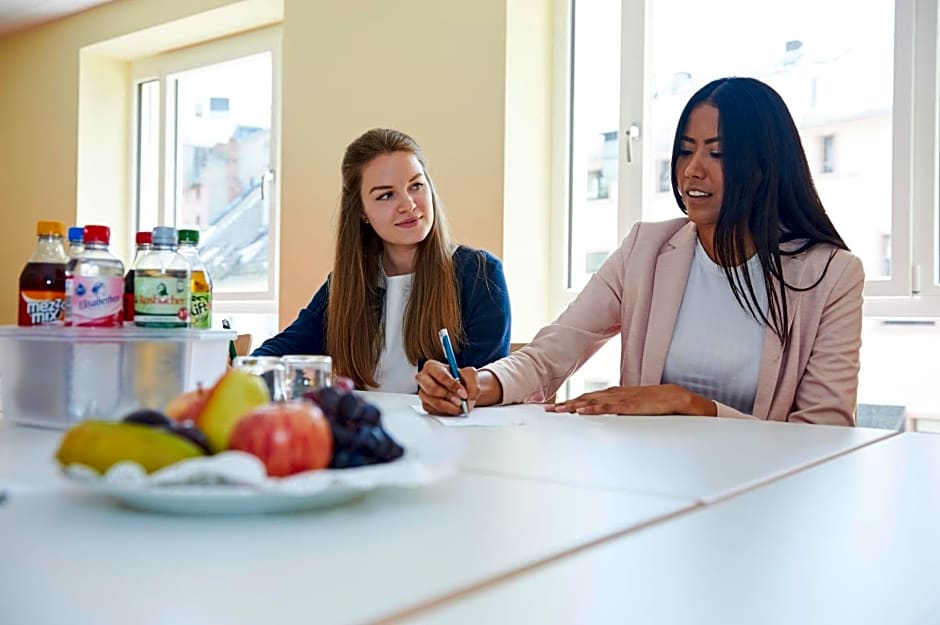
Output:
x=234 y=482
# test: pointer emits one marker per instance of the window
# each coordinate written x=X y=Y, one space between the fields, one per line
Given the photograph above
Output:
x=597 y=185
x=205 y=157
x=665 y=175
x=875 y=86
x=594 y=260
x=827 y=166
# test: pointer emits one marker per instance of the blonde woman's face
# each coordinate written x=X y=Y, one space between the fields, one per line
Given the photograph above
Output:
x=396 y=199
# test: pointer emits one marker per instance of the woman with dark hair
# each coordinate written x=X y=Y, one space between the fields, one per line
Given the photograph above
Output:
x=749 y=307
x=397 y=278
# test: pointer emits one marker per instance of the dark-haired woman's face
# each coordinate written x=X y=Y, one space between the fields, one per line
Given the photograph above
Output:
x=698 y=166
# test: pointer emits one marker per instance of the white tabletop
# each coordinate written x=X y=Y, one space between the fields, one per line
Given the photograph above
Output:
x=525 y=497
x=685 y=457
x=850 y=541
x=70 y=557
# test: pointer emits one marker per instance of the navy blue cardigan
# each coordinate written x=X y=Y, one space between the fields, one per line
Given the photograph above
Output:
x=484 y=311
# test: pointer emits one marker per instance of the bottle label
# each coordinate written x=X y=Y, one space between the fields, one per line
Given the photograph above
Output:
x=161 y=300
x=42 y=308
x=96 y=300
x=200 y=310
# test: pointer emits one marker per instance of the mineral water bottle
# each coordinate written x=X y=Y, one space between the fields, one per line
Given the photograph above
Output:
x=94 y=283
x=42 y=282
x=200 y=308
x=161 y=284
x=143 y=240
x=76 y=241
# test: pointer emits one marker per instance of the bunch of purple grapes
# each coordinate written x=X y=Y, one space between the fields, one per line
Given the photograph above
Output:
x=358 y=436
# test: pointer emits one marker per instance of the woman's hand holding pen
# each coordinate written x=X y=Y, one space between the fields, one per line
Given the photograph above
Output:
x=441 y=394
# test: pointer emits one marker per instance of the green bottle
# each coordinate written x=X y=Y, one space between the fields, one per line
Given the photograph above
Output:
x=200 y=308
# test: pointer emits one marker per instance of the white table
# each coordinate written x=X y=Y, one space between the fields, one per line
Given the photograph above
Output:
x=514 y=508
x=684 y=457
x=851 y=541
x=74 y=558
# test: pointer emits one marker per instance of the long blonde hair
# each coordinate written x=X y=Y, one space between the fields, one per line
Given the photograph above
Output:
x=355 y=332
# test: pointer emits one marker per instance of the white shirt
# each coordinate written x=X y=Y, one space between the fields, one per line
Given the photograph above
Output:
x=394 y=374
x=716 y=345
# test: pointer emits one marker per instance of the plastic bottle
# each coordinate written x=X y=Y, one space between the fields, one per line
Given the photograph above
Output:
x=76 y=241
x=42 y=281
x=162 y=284
x=200 y=307
x=143 y=241
x=94 y=283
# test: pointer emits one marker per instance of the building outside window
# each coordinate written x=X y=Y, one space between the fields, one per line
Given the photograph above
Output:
x=827 y=143
x=205 y=150
x=665 y=175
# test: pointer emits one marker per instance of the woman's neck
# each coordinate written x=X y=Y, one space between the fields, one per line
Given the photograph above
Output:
x=398 y=261
x=706 y=235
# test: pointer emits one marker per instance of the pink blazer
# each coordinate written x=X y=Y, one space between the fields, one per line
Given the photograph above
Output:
x=637 y=293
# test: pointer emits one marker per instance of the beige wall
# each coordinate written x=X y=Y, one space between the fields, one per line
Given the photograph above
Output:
x=528 y=150
x=433 y=69
x=39 y=122
x=437 y=70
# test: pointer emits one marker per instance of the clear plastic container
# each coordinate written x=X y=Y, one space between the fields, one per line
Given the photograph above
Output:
x=55 y=377
x=162 y=284
x=200 y=307
x=94 y=283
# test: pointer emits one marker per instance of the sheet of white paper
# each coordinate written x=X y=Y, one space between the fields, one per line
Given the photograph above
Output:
x=492 y=416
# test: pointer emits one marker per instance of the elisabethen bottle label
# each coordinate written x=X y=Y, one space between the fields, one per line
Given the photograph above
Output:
x=161 y=300
x=96 y=300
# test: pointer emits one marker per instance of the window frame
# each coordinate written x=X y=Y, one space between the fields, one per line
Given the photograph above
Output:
x=913 y=289
x=162 y=67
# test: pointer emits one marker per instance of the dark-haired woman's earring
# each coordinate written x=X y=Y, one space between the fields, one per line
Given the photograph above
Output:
x=365 y=219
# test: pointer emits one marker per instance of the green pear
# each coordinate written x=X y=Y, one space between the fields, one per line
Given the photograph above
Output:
x=233 y=396
x=100 y=444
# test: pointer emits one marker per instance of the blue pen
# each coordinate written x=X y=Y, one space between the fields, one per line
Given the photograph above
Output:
x=449 y=352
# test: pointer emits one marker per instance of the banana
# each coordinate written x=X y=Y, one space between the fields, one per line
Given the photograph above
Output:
x=100 y=444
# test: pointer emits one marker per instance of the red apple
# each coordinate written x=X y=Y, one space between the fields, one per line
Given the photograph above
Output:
x=187 y=406
x=289 y=437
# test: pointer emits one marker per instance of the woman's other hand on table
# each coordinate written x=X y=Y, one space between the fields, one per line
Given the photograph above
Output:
x=661 y=399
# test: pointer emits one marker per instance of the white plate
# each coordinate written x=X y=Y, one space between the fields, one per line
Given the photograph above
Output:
x=204 y=500
x=234 y=482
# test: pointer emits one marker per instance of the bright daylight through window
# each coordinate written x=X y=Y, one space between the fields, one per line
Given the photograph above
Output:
x=864 y=98
x=205 y=158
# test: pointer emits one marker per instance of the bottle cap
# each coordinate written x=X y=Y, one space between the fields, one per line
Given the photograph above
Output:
x=192 y=236
x=143 y=238
x=76 y=234
x=164 y=235
x=97 y=234
x=48 y=227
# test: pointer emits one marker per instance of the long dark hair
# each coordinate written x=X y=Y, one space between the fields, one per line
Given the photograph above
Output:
x=354 y=333
x=769 y=195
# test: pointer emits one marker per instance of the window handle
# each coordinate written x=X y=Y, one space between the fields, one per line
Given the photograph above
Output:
x=632 y=135
x=266 y=177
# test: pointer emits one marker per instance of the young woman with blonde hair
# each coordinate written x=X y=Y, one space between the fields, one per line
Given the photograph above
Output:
x=397 y=278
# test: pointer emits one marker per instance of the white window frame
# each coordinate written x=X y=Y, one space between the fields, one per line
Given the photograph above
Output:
x=912 y=290
x=163 y=66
